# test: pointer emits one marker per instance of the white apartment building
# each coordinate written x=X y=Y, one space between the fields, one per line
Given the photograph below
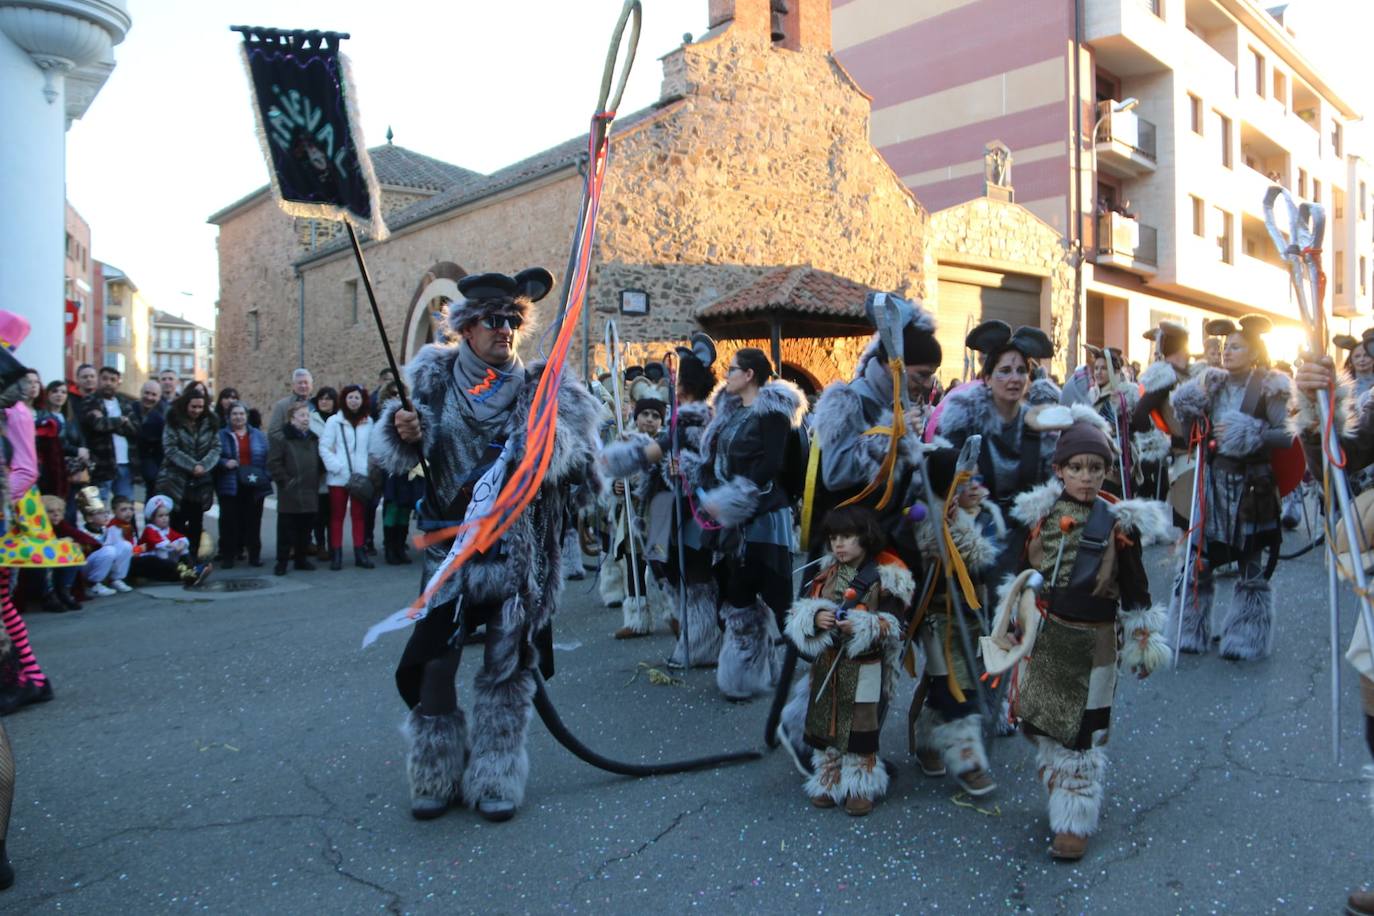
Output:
x=1187 y=109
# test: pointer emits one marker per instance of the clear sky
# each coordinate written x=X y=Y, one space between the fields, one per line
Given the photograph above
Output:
x=169 y=140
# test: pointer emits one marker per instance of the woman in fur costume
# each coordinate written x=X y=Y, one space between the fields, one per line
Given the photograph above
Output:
x=1244 y=409
x=701 y=625
x=739 y=486
x=1359 y=365
x=949 y=726
x=1096 y=614
x=1005 y=407
x=1158 y=436
x=850 y=622
x=472 y=398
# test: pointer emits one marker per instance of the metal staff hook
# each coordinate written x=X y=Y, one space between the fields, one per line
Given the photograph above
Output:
x=1302 y=250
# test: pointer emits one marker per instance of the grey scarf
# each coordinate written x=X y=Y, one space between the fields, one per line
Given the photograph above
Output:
x=488 y=391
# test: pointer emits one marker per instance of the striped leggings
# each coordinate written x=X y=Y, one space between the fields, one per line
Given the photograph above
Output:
x=25 y=664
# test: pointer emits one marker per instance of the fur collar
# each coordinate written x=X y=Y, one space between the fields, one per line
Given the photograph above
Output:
x=778 y=396
x=693 y=413
x=893 y=575
x=1160 y=376
x=968 y=409
x=1147 y=517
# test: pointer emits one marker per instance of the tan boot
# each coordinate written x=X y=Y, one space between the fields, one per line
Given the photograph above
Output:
x=1360 y=903
x=823 y=801
x=628 y=633
x=857 y=807
x=976 y=782
x=1068 y=847
x=931 y=761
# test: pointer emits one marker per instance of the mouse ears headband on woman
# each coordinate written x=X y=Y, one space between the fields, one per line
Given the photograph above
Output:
x=993 y=338
x=1251 y=327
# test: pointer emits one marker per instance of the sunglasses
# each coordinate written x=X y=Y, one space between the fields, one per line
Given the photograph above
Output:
x=496 y=322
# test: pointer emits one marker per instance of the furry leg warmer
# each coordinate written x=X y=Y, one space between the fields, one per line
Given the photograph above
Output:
x=436 y=754
x=925 y=728
x=1247 y=633
x=792 y=722
x=862 y=776
x=635 y=615
x=960 y=743
x=610 y=581
x=662 y=599
x=1074 y=780
x=572 y=556
x=1197 y=616
x=700 y=625
x=746 y=659
x=825 y=776
x=499 y=765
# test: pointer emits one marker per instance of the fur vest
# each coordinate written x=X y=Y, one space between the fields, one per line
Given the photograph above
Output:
x=744 y=482
x=524 y=573
x=1243 y=435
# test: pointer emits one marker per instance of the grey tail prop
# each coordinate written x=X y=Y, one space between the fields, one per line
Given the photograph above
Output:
x=549 y=716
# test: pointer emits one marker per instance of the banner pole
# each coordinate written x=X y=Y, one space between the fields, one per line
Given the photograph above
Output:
x=430 y=492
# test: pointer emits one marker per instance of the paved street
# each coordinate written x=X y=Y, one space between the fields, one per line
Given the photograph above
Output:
x=241 y=755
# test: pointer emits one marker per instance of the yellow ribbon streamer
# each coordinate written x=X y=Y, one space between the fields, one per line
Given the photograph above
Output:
x=885 y=474
x=813 y=464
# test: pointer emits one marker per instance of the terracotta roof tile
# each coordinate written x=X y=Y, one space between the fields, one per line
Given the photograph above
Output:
x=794 y=290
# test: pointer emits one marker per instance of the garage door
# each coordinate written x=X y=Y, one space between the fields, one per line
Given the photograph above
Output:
x=969 y=296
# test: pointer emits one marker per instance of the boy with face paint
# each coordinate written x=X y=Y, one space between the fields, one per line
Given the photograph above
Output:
x=1096 y=598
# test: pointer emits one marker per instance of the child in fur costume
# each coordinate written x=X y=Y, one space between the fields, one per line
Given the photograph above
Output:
x=856 y=640
x=1096 y=614
x=948 y=729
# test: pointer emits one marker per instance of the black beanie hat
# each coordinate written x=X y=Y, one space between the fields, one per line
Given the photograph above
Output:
x=919 y=347
x=1083 y=438
x=654 y=405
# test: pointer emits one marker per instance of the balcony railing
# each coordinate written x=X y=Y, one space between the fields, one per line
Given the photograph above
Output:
x=1129 y=130
x=1123 y=241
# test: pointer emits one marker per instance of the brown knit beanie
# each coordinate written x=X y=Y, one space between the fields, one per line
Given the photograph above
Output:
x=1083 y=438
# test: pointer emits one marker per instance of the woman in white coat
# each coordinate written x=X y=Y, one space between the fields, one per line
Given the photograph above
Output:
x=343 y=449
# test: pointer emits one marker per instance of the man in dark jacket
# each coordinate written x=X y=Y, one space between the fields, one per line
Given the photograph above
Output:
x=109 y=421
x=154 y=417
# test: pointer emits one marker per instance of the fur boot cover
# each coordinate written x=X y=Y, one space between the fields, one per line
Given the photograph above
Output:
x=745 y=666
x=635 y=615
x=436 y=754
x=1074 y=780
x=610 y=582
x=925 y=728
x=862 y=776
x=662 y=600
x=1247 y=632
x=701 y=626
x=1197 y=616
x=824 y=780
x=499 y=765
x=792 y=723
x=572 y=556
x=960 y=743
x=1144 y=645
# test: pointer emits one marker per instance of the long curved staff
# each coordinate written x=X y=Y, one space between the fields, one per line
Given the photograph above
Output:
x=1195 y=525
x=1122 y=424
x=1301 y=248
x=613 y=359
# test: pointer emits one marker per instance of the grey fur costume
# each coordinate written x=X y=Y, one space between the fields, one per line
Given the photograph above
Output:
x=515 y=589
x=744 y=506
x=968 y=410
x=1247 y=630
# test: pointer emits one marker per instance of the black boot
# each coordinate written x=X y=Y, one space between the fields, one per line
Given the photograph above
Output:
x=389 y=545
x=336 y=558
x=52 y=604
x=360 y=558
x=280 y=568
x=402 y=551
x=67 y=599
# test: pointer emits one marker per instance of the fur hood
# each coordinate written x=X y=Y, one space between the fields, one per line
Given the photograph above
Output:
x=1148 y=518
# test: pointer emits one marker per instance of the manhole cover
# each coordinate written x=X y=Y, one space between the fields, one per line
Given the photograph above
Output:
x=234 y=585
